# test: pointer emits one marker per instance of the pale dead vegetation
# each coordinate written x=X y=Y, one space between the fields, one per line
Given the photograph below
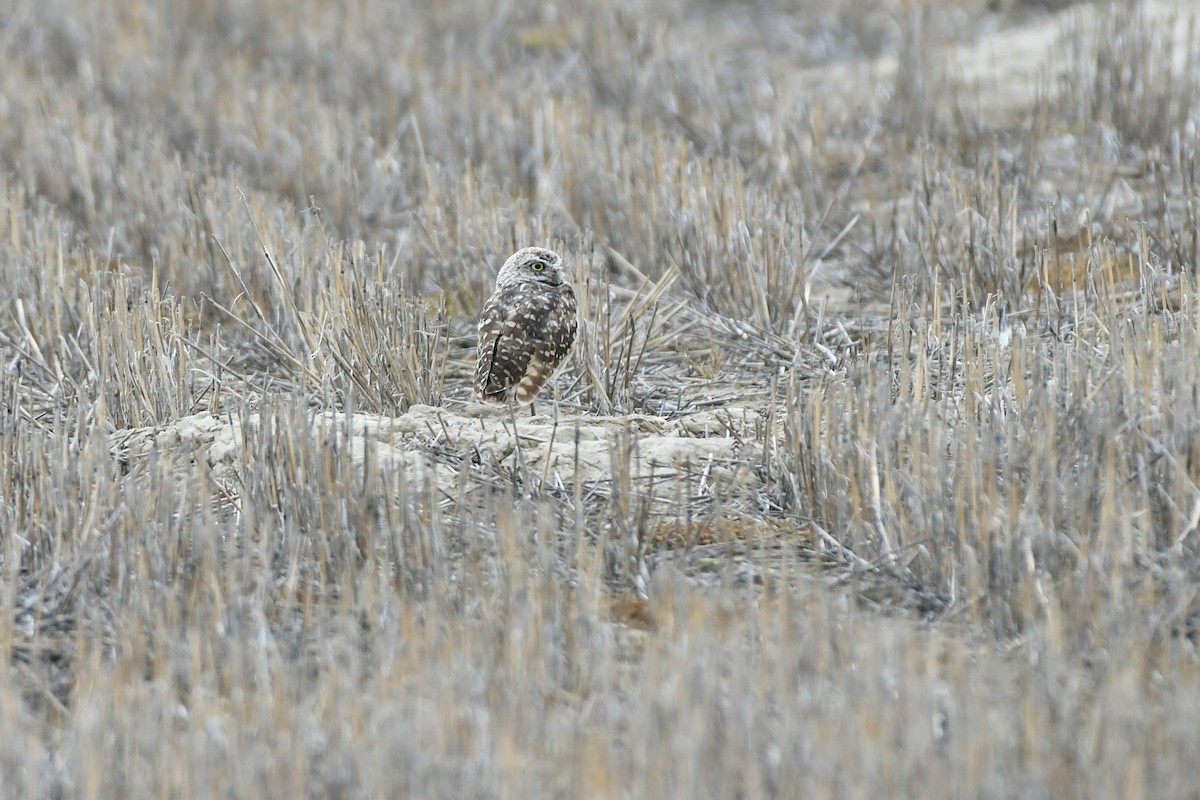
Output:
x=874 y=471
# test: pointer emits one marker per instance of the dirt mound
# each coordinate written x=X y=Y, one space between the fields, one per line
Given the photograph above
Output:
x=427 y=442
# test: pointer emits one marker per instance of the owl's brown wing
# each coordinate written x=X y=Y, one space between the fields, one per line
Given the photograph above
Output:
x=525 y=330
x=552 y=341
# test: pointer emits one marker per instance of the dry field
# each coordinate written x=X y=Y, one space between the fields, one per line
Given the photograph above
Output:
x=874 y=472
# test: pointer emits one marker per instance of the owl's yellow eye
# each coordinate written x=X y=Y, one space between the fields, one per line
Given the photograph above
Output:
x=536 y=266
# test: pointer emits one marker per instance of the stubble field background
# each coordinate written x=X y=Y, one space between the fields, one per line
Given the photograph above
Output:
x=873 y=473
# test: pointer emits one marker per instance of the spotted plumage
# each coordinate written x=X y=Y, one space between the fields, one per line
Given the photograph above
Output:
x=526 y=329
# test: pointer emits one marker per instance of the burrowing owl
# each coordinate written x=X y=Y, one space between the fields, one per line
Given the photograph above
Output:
x=526 y=329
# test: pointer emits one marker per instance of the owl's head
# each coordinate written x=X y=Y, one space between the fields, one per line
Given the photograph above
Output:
x=531 y=264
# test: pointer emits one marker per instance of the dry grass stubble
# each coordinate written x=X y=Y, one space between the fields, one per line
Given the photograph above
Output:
x=874 y=472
